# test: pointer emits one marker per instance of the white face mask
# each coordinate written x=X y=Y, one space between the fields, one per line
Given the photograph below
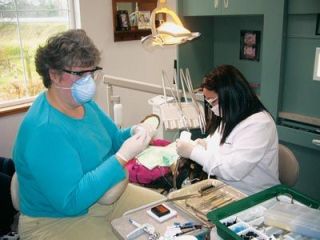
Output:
x=215 y=109
x=82 y=90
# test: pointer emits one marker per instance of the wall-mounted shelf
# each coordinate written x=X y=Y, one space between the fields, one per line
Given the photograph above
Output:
x=130 y=33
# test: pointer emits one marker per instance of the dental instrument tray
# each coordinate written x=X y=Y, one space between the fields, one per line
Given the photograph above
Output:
x=138 y=224
x=202 y=197
x=275 y=213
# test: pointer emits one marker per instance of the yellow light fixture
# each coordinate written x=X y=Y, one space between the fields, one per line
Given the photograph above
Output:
x=168 y=33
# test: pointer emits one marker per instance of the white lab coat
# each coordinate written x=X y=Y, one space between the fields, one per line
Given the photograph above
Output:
x=248 y=160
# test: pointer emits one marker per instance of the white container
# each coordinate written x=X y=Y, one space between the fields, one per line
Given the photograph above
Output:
x=185 y=135
x=295 y=218
x=117 y=111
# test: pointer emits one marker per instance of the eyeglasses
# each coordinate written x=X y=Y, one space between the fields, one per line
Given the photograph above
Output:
x=80 y=73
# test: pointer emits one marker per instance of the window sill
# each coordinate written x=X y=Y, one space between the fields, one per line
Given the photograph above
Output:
x=10 y=110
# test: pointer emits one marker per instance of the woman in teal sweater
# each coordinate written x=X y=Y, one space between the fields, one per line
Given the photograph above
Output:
x=68 y=153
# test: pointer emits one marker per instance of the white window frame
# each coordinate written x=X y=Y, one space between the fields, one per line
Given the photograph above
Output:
x=74 y=22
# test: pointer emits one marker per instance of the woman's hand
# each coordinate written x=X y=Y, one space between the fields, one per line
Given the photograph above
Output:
x=184 y=148
x=133 y=146
x=144 y=127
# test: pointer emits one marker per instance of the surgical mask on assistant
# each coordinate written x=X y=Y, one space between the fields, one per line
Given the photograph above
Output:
x=82 y=90
x=214 y=108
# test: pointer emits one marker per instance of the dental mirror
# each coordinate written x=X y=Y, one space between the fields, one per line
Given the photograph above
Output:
x=153 y=120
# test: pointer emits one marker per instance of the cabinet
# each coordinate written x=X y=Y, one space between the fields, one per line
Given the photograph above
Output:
x=221 y=7
x=243 y=7
x=304 y=7
x=200 y=8
x=299 y=112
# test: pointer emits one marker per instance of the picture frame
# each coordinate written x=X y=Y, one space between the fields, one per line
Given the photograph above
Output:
x=250 y=45
x=144 y=20
x=317 y=32
x=123 y=23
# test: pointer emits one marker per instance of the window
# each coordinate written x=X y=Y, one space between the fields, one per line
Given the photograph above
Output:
x=24 y=25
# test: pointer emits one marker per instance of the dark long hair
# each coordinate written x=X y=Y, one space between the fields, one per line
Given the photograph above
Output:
x=237 y=100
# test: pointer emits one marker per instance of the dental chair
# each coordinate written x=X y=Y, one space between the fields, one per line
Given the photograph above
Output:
x=288 y=166
x=14 y=189
x=8 y=213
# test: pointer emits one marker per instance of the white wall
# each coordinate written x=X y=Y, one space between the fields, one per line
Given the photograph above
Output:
x=124 y=59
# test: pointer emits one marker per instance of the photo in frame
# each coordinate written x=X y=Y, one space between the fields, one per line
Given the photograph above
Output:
x=317 y=32
x=250 y=45
x=123 y=23
x=144 y=20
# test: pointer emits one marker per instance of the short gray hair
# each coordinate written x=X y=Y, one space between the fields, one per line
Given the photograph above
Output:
x=66 y=49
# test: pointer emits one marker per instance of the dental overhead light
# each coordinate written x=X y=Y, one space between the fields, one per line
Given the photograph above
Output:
x=168 y=33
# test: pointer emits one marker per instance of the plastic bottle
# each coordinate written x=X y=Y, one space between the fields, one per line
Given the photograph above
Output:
x=185 y=135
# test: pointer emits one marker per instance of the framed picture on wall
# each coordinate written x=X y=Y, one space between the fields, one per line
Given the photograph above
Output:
x=250 y=45
x=144 y=20
x=123 y=23
x=318 y=25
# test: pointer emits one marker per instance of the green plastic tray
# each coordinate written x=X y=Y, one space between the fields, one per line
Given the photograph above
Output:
x=253 y=200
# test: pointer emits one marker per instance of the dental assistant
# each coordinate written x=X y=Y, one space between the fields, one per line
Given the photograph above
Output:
x=69 y=153
x=242 y=144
